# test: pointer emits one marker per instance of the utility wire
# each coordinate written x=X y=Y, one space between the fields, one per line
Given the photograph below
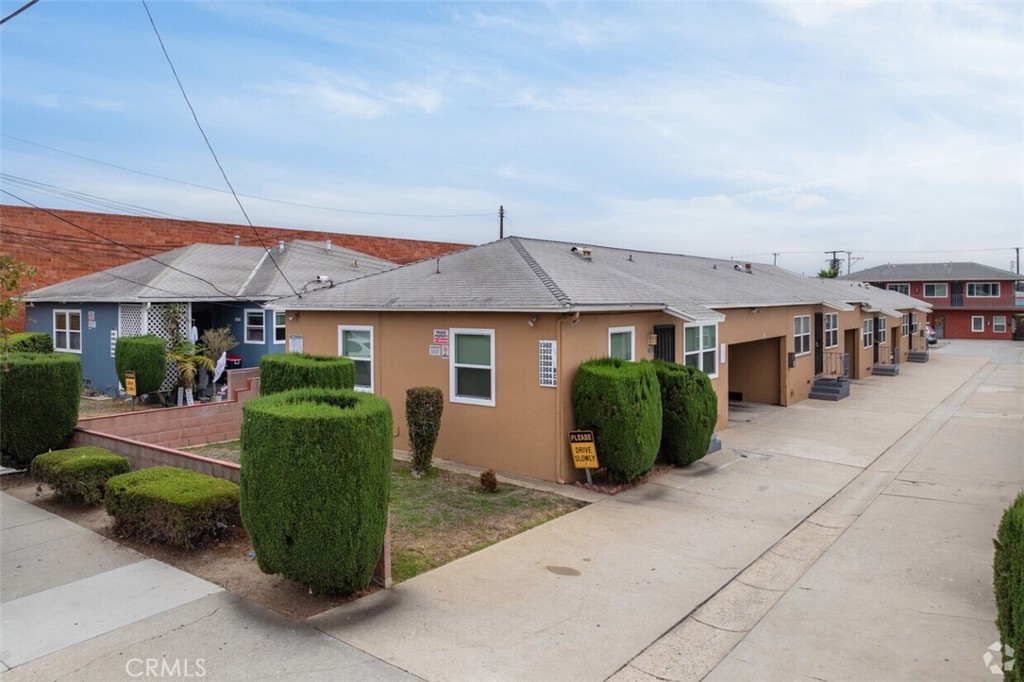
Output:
x=248 y=196
x=210 y=146
x=85 y=198
x=17 y=11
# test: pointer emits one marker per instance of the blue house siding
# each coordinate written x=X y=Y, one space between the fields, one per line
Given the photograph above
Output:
x=250 y=351
x=98 y=319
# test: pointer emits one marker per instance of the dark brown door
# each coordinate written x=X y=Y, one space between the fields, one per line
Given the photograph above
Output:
x=666 y=348
x=819 y=344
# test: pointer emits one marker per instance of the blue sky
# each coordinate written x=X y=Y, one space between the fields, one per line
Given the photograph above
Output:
x=894 y=130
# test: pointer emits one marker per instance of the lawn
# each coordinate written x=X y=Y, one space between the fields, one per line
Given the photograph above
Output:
x=445 y=515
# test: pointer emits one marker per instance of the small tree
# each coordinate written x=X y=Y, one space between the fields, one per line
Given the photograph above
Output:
x=423 y=408
x=12 y=273
x=827 y=274
x=190 y=360
x=217 y=341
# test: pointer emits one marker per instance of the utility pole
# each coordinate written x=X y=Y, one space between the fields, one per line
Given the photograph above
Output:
x=501 y=222
x=850 y=260
x=835 y=263
x=1017 y=249
x=775 y=257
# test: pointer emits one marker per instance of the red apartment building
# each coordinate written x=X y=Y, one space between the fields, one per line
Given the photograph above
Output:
x=969 y=300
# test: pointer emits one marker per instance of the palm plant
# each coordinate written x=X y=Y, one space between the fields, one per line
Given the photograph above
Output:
x=189 y=359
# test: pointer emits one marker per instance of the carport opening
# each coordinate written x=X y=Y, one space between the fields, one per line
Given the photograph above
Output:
x=755 y=376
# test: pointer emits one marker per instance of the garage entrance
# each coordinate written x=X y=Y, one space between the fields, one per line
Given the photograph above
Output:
x=755 y=371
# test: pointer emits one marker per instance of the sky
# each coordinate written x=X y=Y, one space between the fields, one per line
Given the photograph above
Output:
x=768 y=132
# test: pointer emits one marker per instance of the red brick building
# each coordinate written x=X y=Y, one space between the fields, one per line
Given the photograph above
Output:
x=969 y=300
x=62 y=245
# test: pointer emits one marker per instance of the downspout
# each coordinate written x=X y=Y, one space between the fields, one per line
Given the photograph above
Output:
x=559 y=415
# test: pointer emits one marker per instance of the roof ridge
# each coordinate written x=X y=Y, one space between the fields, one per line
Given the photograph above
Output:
x=542 y=274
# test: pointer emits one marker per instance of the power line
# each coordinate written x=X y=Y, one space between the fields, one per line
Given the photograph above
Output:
x=17 y=11
x=257 y=197
x=85 y=198
x=209 y=146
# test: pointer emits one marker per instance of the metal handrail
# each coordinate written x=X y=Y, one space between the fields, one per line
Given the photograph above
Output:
x=836 y=365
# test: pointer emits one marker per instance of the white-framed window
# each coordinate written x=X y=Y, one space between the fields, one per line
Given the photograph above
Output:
x=279 y=327
x=868 y=333
x=999 y=324
x=936 y=290
x=254 y=326
x=978 y=323
x=700 y=347
x=913 y=323
x=802 y=334
x=983 y=289
x=471 y=378
x=620 y=342
x=901 y=288
x=882 y=331
x=906 y=324
x=67 y=330
x=356 y=342
x=831 y=330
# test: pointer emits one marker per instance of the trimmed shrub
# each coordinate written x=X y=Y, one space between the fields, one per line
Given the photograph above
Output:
x=286 y=371
x=689 y=409
x=144 y=355
x=174 y=506
x=316 y=482
x=1008 y=569
x=80 y=473
x=621 y=403
x=39 y=393
x=30 y=342
x=423 y=408
x=489 y=481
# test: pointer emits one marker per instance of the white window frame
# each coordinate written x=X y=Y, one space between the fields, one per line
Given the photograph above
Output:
x=913 y=323
x=282 y=327
x=701 y=350
x=935 y=286
x=999 y=324
x=342 y=328
x=802 y=334
x=882 y=331
x=67 y=312
x=246 y=326
x=632 y=341
x=972 y=289
x=867 y=333
x=975 y=318
x=906 y=324
x=899 y=288
x=831 y=321
x=453 y=397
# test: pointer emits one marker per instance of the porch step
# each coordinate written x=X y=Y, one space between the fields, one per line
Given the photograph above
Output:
x=885 y=370
x=917 y=356
x=830 y=389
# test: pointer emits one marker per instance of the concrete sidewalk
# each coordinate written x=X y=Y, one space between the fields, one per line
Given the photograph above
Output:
x=846 y=540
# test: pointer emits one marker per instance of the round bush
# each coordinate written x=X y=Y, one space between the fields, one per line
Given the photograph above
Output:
x=621 y=403
x=144 y=355
x=39 y=393
x=286 y=371
x=79 y=473
x=689 y=412
x=315 y=485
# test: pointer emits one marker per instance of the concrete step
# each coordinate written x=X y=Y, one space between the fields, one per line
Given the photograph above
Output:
x=885 y=370
x=917 y=356
x=830 y=389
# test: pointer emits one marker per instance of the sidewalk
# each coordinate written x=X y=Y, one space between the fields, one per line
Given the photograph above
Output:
x=819 y=542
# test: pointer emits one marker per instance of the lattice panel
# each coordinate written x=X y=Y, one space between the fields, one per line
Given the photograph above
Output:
x=162 y=320
x=129 y=319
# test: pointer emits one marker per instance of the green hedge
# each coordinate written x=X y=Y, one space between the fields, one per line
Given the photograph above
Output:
x=689 y=412
x=1009 y=585
x=30 y=342
x=144 y=355
x=39 y=394
x=621 y=403
x=170 y=505
x=316 y=482
x=79 y=473
x=286 y=371
x=423 y=408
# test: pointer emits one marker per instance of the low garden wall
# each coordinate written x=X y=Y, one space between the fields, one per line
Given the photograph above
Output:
x=149 y=437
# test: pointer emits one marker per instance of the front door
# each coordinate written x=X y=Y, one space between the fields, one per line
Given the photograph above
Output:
x=666 y=348
x=939 y=326
x=819 y=344
x=956 y=293
x=878 y=334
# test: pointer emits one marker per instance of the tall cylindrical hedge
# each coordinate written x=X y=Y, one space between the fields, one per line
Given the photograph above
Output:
x=689 y=408
x=1008 y=569
x=287 y=371
x=423 y=408
x=315 y=485
x=621 y=403
x=144 y=355
x=39 y=394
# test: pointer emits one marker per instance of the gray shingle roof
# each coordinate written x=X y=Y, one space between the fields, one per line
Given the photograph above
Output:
x=227 y=272
x=931 y=272
x=518 y=274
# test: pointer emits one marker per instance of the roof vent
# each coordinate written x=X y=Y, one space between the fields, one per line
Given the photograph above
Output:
x=584 y=252
x=280 y=246
x=737 y=267
x=749 y=267
x=237 y=240
x=328 y=244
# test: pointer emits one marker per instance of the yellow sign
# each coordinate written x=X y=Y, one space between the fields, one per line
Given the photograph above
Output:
x=129 y=383
x=584 y=451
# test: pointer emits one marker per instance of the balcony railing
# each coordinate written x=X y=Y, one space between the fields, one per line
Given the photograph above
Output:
x=918 y=343
x=836 y=365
